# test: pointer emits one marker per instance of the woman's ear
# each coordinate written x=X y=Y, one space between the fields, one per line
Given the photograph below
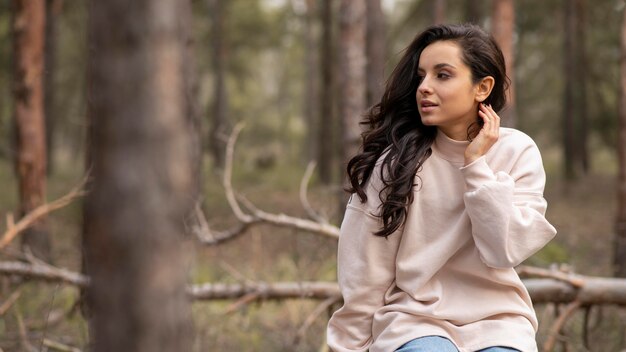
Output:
x=483 y=88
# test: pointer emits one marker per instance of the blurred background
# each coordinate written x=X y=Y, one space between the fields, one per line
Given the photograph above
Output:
x=281 y=67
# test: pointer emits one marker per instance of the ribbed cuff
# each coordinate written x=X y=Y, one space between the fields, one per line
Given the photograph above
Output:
x=477 y=173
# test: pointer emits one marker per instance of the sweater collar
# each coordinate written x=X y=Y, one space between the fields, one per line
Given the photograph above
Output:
x=450 y=149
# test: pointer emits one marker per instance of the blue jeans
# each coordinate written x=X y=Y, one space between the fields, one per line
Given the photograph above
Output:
x=441 y=344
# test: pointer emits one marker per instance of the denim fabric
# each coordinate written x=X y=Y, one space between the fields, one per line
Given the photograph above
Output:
x=441 y=344
x=428 y=344
x=499 y=349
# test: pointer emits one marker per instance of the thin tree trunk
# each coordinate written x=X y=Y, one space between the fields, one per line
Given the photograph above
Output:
x=581 y=87
x=375 y=52
x=473 y=11
x=352 y=70
x=569 y=54
x=327 y=101
x=53 y=9
x=30 y=162
x=503 y=30
x=439 y=11
x=193 y=114
x=142 y=176
x=311 y=88
x=619 y=256
x=219 y=125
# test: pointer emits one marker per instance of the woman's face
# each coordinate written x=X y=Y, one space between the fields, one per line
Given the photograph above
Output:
x=446 y=96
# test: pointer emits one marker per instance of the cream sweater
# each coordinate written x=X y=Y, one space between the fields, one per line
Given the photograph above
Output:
x=449 y=270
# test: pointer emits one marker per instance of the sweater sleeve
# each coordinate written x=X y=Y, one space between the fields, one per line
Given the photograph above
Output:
x=507 y=211
x=365 y=270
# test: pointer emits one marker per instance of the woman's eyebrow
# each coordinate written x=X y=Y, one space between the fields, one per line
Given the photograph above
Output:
x=438 y=66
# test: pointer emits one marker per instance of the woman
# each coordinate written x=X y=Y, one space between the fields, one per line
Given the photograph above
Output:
x=447 y=204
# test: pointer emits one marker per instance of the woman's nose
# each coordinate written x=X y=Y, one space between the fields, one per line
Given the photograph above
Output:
x=424 y=86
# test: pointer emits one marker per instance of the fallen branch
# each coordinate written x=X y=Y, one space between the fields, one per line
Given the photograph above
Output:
x=595 y=290
x=14 y=229
x=257 y=216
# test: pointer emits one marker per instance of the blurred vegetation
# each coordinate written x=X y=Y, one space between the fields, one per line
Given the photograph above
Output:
x=265 y=82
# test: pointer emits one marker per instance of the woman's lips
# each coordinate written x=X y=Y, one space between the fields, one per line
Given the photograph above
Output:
x=428 y=107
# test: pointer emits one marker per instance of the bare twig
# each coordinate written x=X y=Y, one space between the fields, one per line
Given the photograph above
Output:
x=313 y=316
x=303 y=194
x=26 y=345
x=228 y=170
x=324 y=229
x=250 y=297
x=4 y=307
x=43 y=272
x=571 y=278
x=558 y=325
x=59 y=346
x=210 y=237
x=14 y=229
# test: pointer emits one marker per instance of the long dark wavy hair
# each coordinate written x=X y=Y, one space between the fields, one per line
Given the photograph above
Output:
x=394 y=124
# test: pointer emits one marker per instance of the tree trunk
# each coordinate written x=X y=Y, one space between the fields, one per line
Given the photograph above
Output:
x=192 y=105
x=619 y=257
x=503 y=30
x=375 y=52
x=439 y=11
x=352 y=76
x=581 y=87
x=30 y=162
x=327 y=101
x=473 y=11
x=53 y=9
x=311 y=84
x=140 y=194
x=569 y=55
x=219 y=125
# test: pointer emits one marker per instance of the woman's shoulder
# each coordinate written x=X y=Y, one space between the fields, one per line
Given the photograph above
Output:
x=511 y=138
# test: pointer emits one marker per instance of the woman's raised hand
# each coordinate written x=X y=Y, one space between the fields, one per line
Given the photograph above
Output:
x=487 y=136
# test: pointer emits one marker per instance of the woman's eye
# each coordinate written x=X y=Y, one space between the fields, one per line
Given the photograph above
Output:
x=443 y=75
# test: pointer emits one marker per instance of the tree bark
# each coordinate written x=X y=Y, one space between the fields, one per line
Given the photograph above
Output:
x=376 y=50
x=311 y=84
x=30 y=162
x=352 y=80
x=140 y=193
x=503 y=30
x=619 y=256
x=192 y=105
x=569 y=111
x=325 y=133
x=53 y=9
x=473 y=11
x=581 y=87
x=219 y=118
x=439 y=11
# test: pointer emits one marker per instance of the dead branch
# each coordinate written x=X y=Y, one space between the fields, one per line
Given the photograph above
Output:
x=594 y=290
x=304 y=199
x=59 y=346
x=312 y=317
x=43 y=272
x=257 y=216
x=9 y=302
x=14 y=229
x=557 y=326
x=265 y=291
x=571 y=278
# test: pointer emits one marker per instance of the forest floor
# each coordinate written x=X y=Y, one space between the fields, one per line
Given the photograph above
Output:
x=583 y=212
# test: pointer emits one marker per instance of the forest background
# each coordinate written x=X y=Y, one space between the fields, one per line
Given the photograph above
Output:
x=276 y=66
